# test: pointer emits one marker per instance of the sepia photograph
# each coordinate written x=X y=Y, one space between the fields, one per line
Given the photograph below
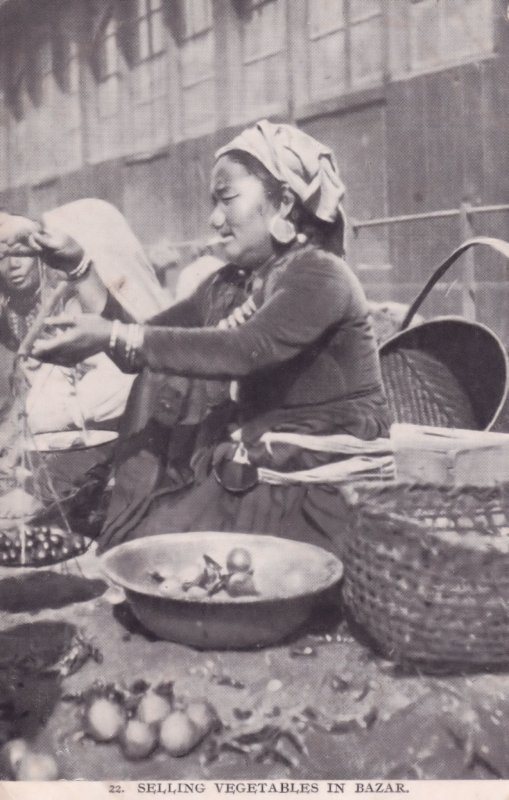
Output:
x=254 y=413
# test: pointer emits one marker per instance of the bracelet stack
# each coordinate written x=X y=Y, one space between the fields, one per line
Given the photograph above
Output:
x=133 y=343
x=81 y=270
x=115 y=330
x=126 y=341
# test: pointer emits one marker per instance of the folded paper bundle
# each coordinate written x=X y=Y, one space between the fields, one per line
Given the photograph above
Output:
x=449 y=456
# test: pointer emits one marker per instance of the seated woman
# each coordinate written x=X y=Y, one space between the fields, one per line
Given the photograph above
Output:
x=280 y=339
x=58 y=398
x=94 y=392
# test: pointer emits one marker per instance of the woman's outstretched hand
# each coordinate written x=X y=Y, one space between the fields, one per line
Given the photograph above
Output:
x=57 y=249
x=75 y=338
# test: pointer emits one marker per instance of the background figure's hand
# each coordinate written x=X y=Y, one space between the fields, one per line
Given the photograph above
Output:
x=15 y=229
x=57 y=249
x=75 y=339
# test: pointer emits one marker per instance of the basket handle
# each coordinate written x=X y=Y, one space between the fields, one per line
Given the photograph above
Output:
x=499 y=245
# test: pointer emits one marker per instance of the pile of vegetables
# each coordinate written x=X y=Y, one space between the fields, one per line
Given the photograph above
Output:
x=42 y=545
x=142 y=719
x=20 y=762
x=203 y=580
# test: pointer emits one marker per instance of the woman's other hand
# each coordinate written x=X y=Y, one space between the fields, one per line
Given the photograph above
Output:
x=75 y=339
x=58 y=250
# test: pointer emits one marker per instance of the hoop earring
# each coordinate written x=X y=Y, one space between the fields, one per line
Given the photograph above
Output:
x=282 y=230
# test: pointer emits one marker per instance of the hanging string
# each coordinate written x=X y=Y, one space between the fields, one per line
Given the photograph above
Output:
x=49 y=300
x=35 y=479
x=74 y=380
x=23 y=529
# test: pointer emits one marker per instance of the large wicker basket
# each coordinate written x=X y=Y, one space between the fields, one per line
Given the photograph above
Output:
x=427 y=576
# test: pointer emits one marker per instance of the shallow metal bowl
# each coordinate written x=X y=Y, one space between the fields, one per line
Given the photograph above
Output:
x=65 y=458
x=66 y=441
x=288 y=575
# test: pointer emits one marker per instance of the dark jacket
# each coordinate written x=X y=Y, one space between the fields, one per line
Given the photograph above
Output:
x=305 y=358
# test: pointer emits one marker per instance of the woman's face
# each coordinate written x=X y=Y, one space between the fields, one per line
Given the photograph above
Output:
x=242 y=213
x=19 y=273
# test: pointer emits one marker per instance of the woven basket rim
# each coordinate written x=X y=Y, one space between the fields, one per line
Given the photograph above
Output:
x=468 y=540
x=386 y=488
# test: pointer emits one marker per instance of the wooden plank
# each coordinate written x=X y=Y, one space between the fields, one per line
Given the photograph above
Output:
x=443 y=177
x=108 y=182
x=495 y=96
x=161 y=180
x=42 y=197
x=15 y=200
x=442 y=128
x=470 y=130
x=405 y=170
x=359 y=140
x=298 y=43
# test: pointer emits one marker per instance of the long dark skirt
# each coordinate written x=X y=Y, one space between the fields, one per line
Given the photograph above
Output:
x=165 y=482
x=312 y=513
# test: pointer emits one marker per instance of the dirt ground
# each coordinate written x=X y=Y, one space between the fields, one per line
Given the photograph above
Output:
x=322 y=706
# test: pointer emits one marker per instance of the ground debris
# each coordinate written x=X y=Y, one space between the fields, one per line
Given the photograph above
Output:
x=126 y=696
x=81 y=649
x=302 y=650
x=156 y=576
x=223 y=679
x=338 y=683
x=479 y=732
x=270 y=743
x=140 y=686
x=406 y=771
x=41 y=648
x=242 y=713
x=112 y=691
x=165 y=689
x=347 y=723
x=261 y=738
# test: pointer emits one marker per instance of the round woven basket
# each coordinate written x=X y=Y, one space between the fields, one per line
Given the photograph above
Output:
x=427 y=576
x=448 y=372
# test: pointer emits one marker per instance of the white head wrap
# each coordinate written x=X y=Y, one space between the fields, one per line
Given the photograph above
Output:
x=291 y=156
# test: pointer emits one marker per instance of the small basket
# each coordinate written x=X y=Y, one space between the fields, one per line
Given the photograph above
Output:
x=427 y=576
x=449 y=372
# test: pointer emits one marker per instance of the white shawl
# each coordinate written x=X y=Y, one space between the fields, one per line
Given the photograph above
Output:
x=118 y=257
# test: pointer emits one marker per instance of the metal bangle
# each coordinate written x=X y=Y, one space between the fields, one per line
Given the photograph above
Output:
x=129 y=341
x=81 y=269
x=115 y=330
x=136 y=336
